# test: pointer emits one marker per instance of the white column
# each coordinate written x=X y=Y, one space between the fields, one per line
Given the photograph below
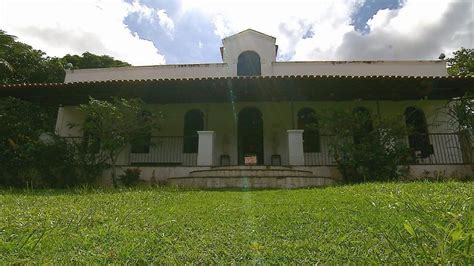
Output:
x=295 y=147
x=206 y=148
x=59 y=121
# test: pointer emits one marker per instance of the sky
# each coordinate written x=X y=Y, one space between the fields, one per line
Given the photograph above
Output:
x=152 y=32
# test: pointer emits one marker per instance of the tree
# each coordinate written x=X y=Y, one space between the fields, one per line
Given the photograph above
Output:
x=30 y=154
x=6 y=42
x=116 y=124
x=23 y=64
x=88 y=60
x=461 y=113
x=22 y=123
x=462 y=64
x=20 y=63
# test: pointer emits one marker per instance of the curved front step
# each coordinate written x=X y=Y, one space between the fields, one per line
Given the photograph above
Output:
x=250 y=182
x=251 y=167
x=250 y=171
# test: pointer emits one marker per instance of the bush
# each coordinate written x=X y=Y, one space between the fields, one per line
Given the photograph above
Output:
x=367 y=150
x=131 y=176
x=377 y=158
x=58 y=164
x=22 y=123
x=70 y=163
x=29 y=156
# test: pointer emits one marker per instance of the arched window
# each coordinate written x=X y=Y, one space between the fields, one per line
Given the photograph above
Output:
x=142 y=141
x=193 y=122
x=309 y=123
x=249 y=64
x=90 y=141
x=364 y=126
x=418 y=138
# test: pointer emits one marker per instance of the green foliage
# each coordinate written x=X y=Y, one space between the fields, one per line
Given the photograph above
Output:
x=30 y=155
x=88 y=60
x=416 y=223
x=22 y=124
x=116 y=124
x=6 y=42
x=366 y=149
x=462 y=64
x=83 y=163
x=461 y=113
x=26 y=158
x=130 y=177
x=22 y=120
x=21 y=63
x=461 y=119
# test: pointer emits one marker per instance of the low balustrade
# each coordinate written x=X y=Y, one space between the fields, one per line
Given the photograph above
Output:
x=166 y=150
x=446 y=150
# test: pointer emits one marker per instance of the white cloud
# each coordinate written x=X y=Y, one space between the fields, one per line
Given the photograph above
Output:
x=151 y=14
x=75 y=26
x=421 y=29
x=165 y=21
x=142 y=11
x=288 y=21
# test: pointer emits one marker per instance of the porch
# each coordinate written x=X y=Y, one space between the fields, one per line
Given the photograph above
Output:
x=171 y=151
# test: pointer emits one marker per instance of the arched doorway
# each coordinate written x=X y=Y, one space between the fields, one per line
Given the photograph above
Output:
x=193 y=122
x=418 y=138
x=250 y=135
x=365 y=126
x=308 y=121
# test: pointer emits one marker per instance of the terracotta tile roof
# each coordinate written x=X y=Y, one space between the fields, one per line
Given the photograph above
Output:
x=256 y=88
x=310 y=77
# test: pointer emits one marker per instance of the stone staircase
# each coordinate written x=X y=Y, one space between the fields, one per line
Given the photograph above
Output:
x=251 y=177
x=250 y=171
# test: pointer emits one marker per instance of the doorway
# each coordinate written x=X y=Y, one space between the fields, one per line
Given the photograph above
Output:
x=250 y=135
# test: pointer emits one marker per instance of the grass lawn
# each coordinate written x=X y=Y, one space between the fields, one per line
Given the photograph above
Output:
x=380 y=223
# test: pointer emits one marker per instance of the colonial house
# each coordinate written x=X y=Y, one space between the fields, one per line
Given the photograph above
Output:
x=245 y=121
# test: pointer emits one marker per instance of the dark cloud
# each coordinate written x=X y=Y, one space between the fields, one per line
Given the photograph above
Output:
x=75 y=41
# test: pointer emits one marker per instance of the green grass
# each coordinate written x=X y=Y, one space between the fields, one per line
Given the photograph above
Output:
x=371 y=223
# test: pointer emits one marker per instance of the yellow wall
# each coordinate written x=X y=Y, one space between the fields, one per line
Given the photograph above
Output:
x=277 y=118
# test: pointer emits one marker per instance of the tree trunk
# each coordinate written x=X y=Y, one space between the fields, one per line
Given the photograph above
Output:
x=466 y=146
x=114 y=179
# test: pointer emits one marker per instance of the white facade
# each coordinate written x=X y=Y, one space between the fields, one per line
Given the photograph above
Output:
x=265 y=46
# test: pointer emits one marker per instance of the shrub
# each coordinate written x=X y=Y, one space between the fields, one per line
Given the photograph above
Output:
x=117 y=123
x=22 y=123
x=131 y=176
x=30 y=156
x=367 y=150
